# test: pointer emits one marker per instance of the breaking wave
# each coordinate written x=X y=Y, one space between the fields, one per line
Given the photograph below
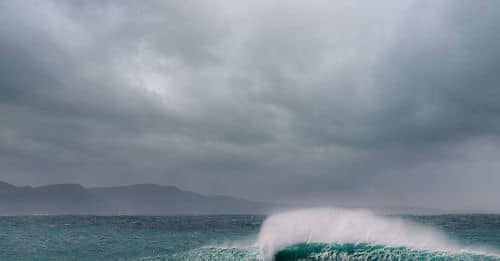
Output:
x=339 y=234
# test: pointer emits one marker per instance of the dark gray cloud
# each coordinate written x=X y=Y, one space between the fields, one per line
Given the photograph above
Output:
x=387 y=104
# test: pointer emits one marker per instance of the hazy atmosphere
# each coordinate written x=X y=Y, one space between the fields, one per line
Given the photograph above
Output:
x=354 y=103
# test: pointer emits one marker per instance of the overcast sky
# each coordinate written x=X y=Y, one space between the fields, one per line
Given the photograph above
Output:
x=332 y=102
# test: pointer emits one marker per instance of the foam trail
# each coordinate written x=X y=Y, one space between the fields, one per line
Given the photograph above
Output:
x=331 y=225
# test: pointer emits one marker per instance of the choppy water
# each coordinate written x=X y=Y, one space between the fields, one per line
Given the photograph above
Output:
x=320 y=234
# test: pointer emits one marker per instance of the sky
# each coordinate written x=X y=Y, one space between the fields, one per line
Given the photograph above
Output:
x=387 y=103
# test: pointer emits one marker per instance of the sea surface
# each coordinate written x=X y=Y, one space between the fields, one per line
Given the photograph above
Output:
x=312 y=234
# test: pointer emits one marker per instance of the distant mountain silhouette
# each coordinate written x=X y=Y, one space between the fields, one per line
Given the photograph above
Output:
x=142 y=199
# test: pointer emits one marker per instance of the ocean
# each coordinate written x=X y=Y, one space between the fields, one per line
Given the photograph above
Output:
x=311 y=234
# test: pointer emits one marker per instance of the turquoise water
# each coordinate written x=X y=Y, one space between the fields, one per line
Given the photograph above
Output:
x=472 y=237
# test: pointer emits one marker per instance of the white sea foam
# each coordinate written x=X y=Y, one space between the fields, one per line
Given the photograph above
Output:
x=332 y=225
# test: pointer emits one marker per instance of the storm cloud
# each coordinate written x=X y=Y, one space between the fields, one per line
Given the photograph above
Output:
x=393 y=103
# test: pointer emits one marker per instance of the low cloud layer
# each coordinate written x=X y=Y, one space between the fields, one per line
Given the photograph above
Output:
x=392 y=103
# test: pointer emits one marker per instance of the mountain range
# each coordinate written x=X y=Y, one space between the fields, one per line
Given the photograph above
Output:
x=140 y=199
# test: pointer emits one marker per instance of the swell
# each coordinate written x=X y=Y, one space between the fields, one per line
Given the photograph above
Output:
x=322 y=251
